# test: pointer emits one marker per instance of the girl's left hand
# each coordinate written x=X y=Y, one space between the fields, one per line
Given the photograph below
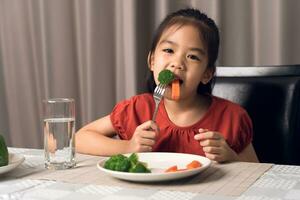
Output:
x=214 y=146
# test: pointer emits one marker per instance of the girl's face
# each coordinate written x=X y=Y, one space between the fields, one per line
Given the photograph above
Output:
x=182 y=51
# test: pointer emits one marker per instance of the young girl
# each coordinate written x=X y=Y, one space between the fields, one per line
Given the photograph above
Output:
x=186 y=43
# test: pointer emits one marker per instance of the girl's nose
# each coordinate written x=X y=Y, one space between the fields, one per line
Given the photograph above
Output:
x=177 y=68
x=178 y=64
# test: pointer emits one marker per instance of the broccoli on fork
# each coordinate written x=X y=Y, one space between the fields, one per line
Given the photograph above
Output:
x=166 y=77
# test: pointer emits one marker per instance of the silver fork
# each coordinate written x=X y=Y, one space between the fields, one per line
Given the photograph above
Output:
x=157 y=95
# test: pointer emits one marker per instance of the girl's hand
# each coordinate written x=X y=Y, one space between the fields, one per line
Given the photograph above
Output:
x=144 y=137
x=215 y=147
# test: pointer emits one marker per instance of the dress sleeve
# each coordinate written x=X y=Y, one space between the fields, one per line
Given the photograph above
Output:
x=245 y=132
x=119 y=118
x=129 y=114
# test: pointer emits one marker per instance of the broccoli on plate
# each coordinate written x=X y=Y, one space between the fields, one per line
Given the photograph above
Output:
x=126 y=164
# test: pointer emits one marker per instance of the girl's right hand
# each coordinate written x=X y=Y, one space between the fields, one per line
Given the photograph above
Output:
x=144 y=137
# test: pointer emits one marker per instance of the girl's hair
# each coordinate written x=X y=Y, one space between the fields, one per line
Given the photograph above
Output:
x=208 y=31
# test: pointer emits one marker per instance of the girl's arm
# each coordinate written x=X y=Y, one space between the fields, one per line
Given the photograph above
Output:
x=96 y=139
x=248 y=154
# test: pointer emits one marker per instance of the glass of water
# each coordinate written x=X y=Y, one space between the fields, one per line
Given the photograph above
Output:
x=59 y=133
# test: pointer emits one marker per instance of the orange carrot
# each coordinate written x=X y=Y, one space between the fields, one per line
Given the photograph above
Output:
x=172 y=169
x=175 y=89
x=194 y=164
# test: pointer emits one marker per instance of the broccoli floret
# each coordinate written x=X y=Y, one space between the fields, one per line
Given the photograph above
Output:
x=136 y=165
x=139 y=168
x=133 y=158
x=4 y=156
x=118 y=163
x=123 y=166
x=126 y=164
x=166 y=76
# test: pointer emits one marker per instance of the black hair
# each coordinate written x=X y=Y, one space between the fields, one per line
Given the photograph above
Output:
x=208 y=31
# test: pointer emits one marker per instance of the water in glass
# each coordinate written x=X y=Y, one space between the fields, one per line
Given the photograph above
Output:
x=60 y=149
x=59 y=134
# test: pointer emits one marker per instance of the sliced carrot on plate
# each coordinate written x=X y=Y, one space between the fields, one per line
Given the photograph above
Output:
x=194 y=164
x=172 y=169
x=175 y=89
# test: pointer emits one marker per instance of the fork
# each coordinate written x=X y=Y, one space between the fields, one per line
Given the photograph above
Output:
x=157 y=95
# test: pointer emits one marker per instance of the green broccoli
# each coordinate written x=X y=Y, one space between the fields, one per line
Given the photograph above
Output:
x=4 y=155
x=126 y=164
x=139 y=168
x=118 y=163
x=166 y=76
x=133 y=158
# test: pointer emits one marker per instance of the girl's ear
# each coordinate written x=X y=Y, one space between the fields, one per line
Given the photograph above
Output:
x=150 y=60
x=207 y=76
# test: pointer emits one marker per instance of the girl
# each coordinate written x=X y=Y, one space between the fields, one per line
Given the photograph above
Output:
x=186 y=43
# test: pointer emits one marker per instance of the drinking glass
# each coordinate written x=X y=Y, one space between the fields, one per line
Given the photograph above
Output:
x=59 y=133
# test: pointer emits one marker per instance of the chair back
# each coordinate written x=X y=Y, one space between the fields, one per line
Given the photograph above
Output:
x=271 y=96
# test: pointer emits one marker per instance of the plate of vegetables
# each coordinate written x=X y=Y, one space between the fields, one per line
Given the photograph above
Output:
x=8 y=161
x=14 y=161
x=153 y=166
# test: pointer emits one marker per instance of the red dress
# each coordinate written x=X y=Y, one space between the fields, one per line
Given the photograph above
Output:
x=223 y=116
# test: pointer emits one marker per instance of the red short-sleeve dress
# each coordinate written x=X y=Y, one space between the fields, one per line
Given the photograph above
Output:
x=223 y=116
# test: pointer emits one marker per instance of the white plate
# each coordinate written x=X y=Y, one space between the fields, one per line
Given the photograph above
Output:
x=158 y=163
x=14 y=161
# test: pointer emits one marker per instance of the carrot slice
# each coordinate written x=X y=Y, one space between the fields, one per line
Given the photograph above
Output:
x=172 y=169
x=175 y=89
x=194 y=164
x=179 y=170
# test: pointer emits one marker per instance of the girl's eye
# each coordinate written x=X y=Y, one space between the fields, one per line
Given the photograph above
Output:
x=194 y=57
x=168 y=50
